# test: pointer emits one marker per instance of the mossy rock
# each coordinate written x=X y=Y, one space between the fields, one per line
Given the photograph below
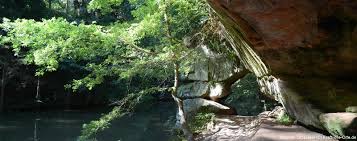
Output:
x=340 y=124
x=284 y=119
x=351 y=109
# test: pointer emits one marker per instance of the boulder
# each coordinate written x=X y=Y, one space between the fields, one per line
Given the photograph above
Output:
x=351 y=109
x=245 y=98
x=212 y=66
x=340 y=124
x=199 y=89
x=193 y=90
x=303 y=52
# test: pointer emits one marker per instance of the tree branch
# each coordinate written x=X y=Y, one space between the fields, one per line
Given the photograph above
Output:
x=136 y=47
x=236 y=76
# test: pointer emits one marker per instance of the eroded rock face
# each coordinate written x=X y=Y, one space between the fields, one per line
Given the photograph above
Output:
x=219 y=90
x=212 y=66
x=304 y=52
x=196 y=89
x=340 y=124
x=202 y=89
x=208 y=75
x=209 y=80
x=305 y=37
x=245 y=98
x=351 y=109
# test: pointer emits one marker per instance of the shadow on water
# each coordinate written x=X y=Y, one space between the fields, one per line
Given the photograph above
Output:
x=153 y=123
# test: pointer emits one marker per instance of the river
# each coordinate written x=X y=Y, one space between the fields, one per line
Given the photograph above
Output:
x=152 y=123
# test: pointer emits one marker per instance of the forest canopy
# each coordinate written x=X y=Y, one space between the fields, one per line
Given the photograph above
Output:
x=229 y=67
x=150 y=47
x=120 y=48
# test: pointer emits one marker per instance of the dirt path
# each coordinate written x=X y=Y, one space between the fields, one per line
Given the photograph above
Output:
x=267 y=132
x=256 y=128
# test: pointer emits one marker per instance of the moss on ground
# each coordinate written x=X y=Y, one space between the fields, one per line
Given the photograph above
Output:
x=285 y=119
x=200 y=121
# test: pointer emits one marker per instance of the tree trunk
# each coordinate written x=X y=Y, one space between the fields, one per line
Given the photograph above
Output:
x=2 y=99
x=35 y=131
x=38 y=89
x=181 y=116
x=236 y=76
x=67 y=7
x=68 y=100
x=88 y=99
x=181 y=113
x=50 y=4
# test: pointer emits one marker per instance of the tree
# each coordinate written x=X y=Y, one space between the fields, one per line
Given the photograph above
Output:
x=2 y=97
x=10 y=67
x=31 y=9
x=149 y=45
x=175 y=60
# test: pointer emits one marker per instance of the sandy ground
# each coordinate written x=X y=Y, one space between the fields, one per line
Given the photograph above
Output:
x=256 y=128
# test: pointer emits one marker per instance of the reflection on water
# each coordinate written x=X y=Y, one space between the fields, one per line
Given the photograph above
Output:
x=149 y=124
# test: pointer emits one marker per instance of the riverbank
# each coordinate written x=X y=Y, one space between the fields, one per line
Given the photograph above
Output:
x=151 y=123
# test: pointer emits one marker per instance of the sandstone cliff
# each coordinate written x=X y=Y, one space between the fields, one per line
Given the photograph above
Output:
x=303 y=52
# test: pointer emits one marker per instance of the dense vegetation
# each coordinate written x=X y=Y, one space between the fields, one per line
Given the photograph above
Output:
x=121 y=50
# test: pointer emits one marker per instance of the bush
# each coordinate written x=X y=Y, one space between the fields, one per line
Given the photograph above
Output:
x=285 y=119
x=200 y=121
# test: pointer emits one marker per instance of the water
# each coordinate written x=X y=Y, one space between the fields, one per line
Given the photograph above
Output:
x=152 y=123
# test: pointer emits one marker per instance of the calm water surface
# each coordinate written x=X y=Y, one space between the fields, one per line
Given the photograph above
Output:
x=152 y=123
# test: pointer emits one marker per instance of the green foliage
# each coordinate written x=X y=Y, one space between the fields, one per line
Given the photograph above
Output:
x=125 y=106
x=30 y=9
x=188 y=16
x=200 y=121
x=141 y=50
x=104 y=5
x=91 y=129
x=245 y=96
x=108 y=51
x=334 y=127
x=285 y=119
x=49 y=42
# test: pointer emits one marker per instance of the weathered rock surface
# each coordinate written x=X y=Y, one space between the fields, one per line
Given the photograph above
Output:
x=210 y=80
x=212 y=66
x=199 y=89
x=340 y=124
x=304 y=52
x=196 y=89
x=245 y=98
x=219 y=90
x=351 y=109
